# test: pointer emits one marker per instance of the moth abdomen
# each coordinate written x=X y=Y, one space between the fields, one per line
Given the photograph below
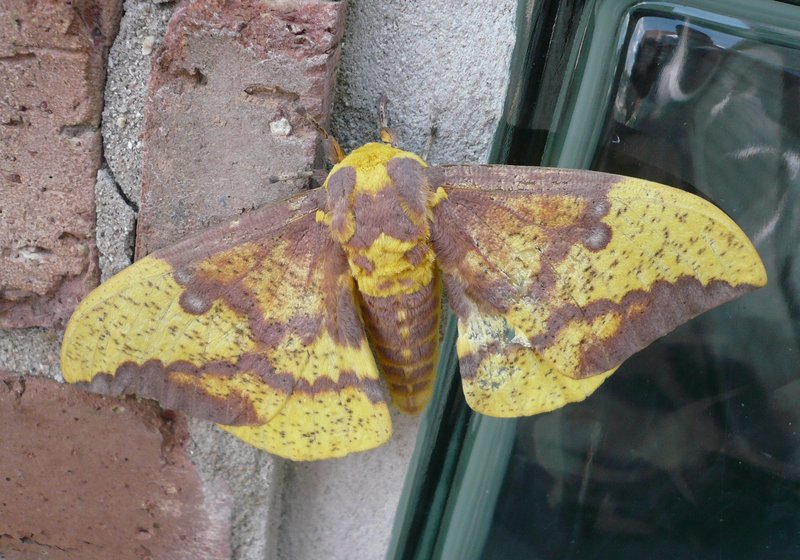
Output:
x=404 y=332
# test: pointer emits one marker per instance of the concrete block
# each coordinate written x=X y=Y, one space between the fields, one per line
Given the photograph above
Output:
x=442 y=64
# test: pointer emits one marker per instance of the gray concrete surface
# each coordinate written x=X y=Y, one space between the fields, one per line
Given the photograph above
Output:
x=116 y=220
x=33 y=351
x=442 y=63
x=141 y=30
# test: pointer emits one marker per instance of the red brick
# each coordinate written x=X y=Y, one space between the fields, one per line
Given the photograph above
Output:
x=86 y=476
x=52 y=57
x=226 y=72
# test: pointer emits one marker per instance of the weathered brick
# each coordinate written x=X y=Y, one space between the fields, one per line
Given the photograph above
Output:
x=52 y=70
x=222 y=117
x=86 y=476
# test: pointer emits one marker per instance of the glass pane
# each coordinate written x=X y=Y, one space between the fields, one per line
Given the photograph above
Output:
x=691 y=449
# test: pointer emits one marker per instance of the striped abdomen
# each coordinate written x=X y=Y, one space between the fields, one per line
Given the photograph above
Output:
x=404 y=332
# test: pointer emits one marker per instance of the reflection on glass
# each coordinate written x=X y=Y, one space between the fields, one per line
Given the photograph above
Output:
x=691 y=450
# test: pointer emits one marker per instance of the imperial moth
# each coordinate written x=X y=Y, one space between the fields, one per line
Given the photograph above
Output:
x=279 y=324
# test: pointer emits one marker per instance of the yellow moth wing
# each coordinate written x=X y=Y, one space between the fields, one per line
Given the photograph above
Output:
x=135 y=315
x=329 y=419
x=337 y=405
x=133 y=325
x=237 y=325
x=557 y=276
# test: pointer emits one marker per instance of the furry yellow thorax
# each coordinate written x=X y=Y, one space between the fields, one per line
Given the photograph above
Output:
x=367 y=208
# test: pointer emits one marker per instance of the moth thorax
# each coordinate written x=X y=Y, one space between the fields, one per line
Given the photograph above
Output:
x=391 y=266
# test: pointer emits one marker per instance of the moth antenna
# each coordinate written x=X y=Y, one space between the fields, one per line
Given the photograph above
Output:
x=386 y=133
x=333 y=151
x=383 y=114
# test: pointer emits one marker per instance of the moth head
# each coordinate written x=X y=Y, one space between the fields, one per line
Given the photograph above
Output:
x=374 y=171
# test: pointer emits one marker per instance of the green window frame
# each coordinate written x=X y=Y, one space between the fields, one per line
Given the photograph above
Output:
x=578 y=99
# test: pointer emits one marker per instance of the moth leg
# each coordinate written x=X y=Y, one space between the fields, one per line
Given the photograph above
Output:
x=333 y=151
x=387 y=134
x=426 y=149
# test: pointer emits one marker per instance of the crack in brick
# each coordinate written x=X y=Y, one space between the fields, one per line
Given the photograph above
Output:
x=29 y=539
x=18 y=57
x=263 y=90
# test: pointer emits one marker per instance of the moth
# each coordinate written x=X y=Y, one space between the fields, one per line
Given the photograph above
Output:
x=288 y=325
